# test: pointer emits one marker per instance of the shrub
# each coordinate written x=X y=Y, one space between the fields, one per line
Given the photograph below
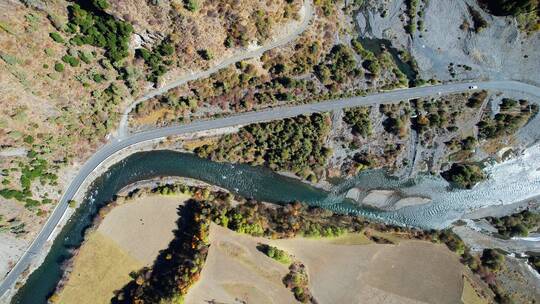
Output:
x=191 y=5
x=492 y=259
x=100 y=30
x=85 y=57
x=59 y=67
x=100 y=4
x=72 y=61
x=464 y=175
x=56 y=37
x=275 y=253
x=338 y=66
x=29 y=139
x=508 y=103
x=358 y=118
x=479 y=22
x=154 y=59
x=205 y=54
x=98 y=78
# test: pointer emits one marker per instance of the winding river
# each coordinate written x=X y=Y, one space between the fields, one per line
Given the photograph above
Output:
x=511 y=181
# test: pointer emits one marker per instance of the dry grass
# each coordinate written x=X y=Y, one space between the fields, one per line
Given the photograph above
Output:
x=144 y=226
x=193 y=144
x=152 y=117
x=236 y=271
x=470 y=295
x=130 y=237
x=410 y=272
x=100 y=268
x=352 y=239
x=417 y=270
x=346 y=269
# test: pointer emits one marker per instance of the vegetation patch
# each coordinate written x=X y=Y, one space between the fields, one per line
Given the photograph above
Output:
x=156 y=59
x=359 y=119
x=513 y=115
x=518 y=224
x=297 y=280
x=535 y=262
x=91 y=25
x=479 y=22
x=177 y=267
x=412 y=8
x=275 y=253
x=527 y=12
x=293 y=144
x=338 y=66
x=464 y=175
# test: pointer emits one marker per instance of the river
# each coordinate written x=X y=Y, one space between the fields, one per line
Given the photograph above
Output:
x=511 y=181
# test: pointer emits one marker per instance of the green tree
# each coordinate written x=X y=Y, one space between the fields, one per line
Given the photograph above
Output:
x=191 y=5
x=59 y=67
x=56 y=37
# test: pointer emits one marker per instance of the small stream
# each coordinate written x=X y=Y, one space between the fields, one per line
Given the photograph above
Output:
x=514 y=180
x=376 y=45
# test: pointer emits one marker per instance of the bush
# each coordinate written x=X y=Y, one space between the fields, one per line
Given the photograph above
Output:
x=154 y=59
x=72 y=61
x=358 y=118
x=56 y=37
x=508 y=104
x=338 y=67
x=85 y=57
x=492 y=259
x=191 y=5
x=275 y=253
x=464 y=175
x=518 y=224
x=479 y=22
x=205 y=54
x=100 y=29
x=59 y=67
x=98 y=78
x=100 y=4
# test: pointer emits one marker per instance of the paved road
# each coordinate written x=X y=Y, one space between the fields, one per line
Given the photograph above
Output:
x=307 y=16
x=241 y=119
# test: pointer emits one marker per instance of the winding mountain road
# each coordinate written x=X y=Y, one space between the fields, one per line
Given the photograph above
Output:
x=306 y=13
x=117 y=145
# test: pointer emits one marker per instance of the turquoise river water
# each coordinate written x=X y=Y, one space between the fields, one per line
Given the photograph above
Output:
x=505 y=185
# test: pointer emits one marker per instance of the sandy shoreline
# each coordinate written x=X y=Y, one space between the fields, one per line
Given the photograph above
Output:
x=387 y=200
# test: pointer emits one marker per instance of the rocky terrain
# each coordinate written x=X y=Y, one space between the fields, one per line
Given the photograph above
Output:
x=449 y=47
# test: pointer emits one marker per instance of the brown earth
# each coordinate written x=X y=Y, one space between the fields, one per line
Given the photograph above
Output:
x=128 y=238
x=347 y=269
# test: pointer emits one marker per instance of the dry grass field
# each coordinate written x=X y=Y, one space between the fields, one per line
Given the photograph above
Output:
x=236 y=271
x=129 y=237
x=100 y=268
x=348 y=269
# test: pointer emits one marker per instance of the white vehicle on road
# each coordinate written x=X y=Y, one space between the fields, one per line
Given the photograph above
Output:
x=473 y=87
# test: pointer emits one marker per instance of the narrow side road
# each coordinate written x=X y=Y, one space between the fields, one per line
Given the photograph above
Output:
x=307 y=15
x=241 y=119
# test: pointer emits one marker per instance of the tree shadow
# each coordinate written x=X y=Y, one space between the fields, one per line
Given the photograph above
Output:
x=161 y=281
